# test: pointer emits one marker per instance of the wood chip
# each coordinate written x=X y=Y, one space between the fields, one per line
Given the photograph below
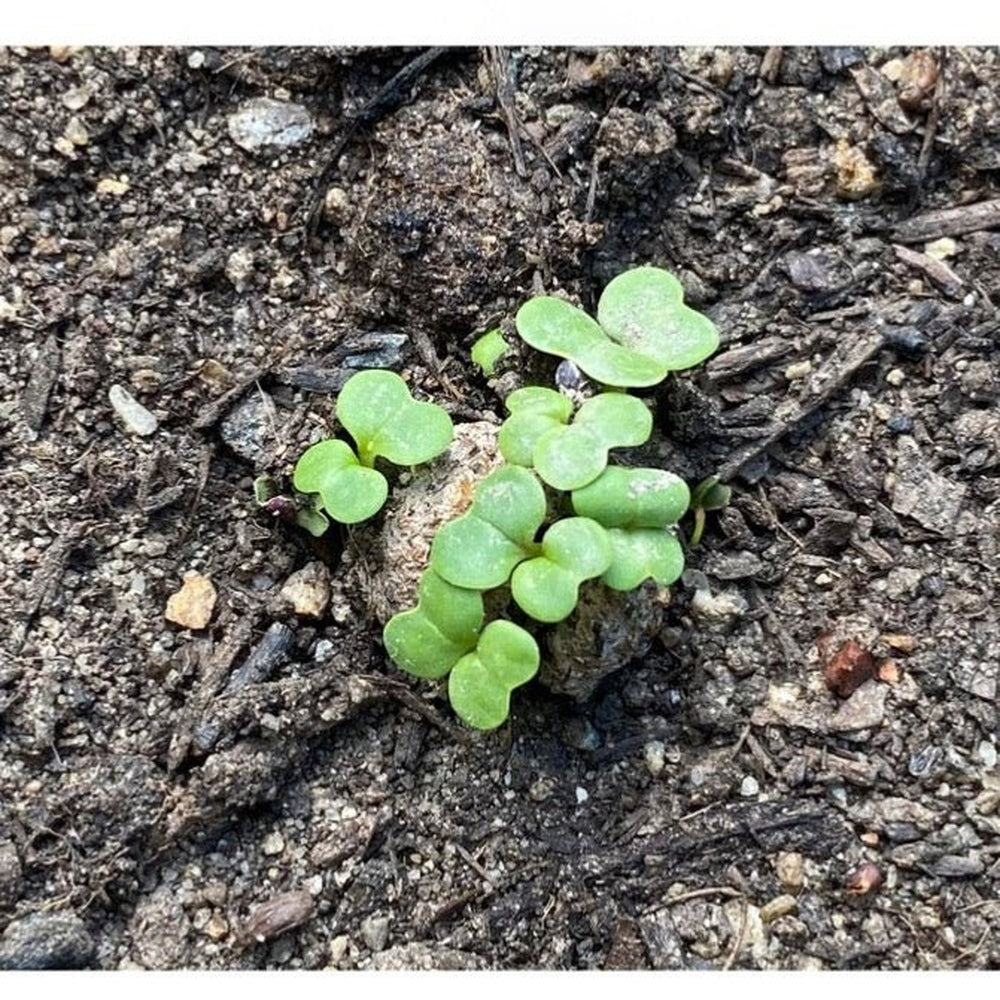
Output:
x=935 y=270
x=949 y=222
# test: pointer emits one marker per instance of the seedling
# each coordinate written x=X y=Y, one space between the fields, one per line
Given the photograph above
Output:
x=547 y=586
x=643 y=309
x=300 y=508
x=570 y=456
x=489 y=350
x=480 y=549
x=375 y=407
x=479 y=687
x=709 y=494
x=556 y=327
x=639 y=554
x=514 y=538
x=643 y=330
x=633 y=498
x=429 y=640
x=638 y=507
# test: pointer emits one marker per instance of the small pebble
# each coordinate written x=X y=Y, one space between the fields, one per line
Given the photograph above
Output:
x=273 y=844
x=263 y=121
x=790 y=868
x=749 y=787
x=76 y=132
x=375 y=932
x=581 y=795
x=113 y=186
x=133 y=414
x=57 y=940
x=192 y=605
x=864 y=879
x=987 y=753
x=196 y=59
x=307 y=590
x=987 y=802
x=277 y=915
x=217 y=927
x=338 y=948
x=655 y=755
x=239 y=268
x=798 y=370
x=76 y=97
x=323 y=651
x=895 y=376
x=941 y=249
x=838 y=795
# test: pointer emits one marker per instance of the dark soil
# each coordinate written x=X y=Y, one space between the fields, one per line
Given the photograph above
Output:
x=710 y=805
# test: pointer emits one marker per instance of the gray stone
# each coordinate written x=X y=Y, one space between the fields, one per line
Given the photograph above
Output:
x=249 y=427
x=263 y=121
x=932 y=500
x=956 y=866
x=375 y=932
x=46 y=941
x=663 y=943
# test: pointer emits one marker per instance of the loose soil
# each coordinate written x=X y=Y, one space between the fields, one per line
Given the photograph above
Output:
x=708 y=806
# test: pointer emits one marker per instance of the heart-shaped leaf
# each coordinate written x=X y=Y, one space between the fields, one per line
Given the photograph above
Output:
x=573 y=550
x=348 y=492
x=556 y=327
x=640 y=554
x=376 y=408
x=480 y=684
x=633 y=498
x=643 y=310
x=428 y=640
x=480 y=549
x=534 y=410
x=568 y=458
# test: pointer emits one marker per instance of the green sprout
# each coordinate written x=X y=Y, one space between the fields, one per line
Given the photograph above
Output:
x=643 y=330
x=547 y=586
x=709 y=494
x=479 y=686
x=639 y=508
x=556 y=327
x=489 y=350
x=480 y=549
x=633 y=498
x=428 y=640
x=568 y=456
x=643 y=310
x=522 y=536
x=375 y=407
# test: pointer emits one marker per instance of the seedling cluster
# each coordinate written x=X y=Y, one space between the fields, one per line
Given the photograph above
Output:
x=559 y=512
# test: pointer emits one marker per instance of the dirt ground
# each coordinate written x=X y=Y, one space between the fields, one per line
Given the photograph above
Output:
x=179 y=304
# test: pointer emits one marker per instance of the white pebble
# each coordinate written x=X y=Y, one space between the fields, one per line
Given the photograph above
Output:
x=987 y=753
x=133 y=414
x=655 y=755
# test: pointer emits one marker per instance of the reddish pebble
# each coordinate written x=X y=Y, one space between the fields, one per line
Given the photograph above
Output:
x=864 y=879
x=849 y=668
